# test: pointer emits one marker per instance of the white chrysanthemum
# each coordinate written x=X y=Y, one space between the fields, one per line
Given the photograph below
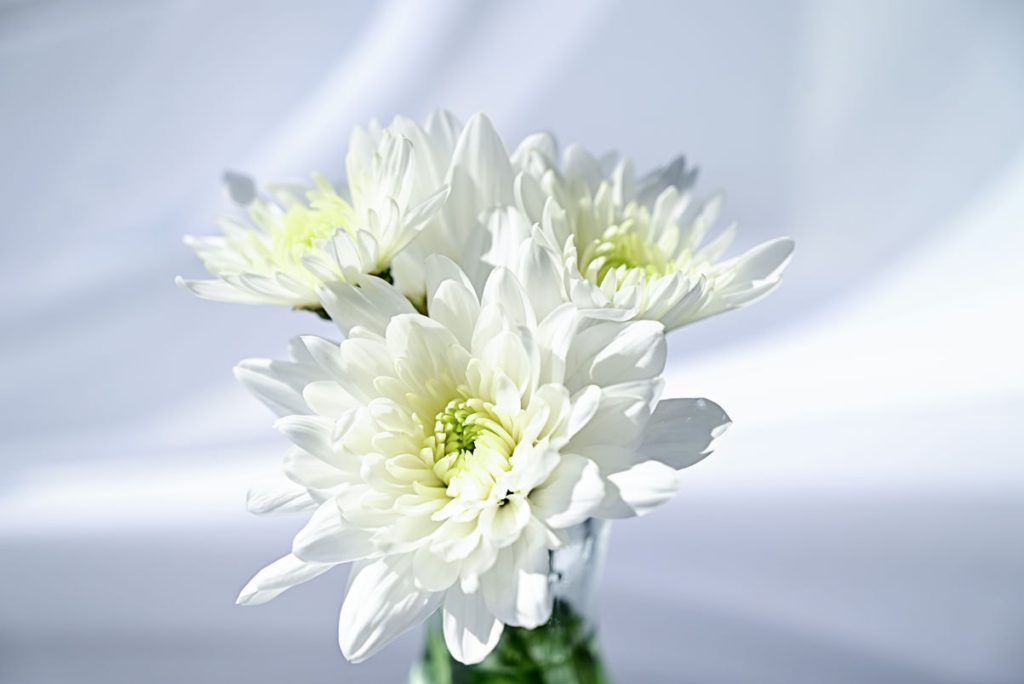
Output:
x=636 y=245
x=446 y=455
x=472 y=160
x=301 y=241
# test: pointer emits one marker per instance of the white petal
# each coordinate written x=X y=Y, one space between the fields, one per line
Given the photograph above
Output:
x=451 y=299
x=470 y=630
x=278 y=495
x=416 y=218
x=504 y=289
x=307 y=470
x=278 y=577
x=439 y=268
x=220 y=291
x=328 y=398
x=680 y=432
x=508 y=228
x=677 y=174
x=572 y=492
x=325 y=353
x=585 y=404
x=311 y=433
x=502 y=525
x=444 y=127
x=370 y=306
x=432 y=572
x=541 y=273
x=621 y=413
x=516 y=588
x=578 y=162
x=380 y=604
x=327 y=538
x=638 y=490
x=555 y=335
x=609 y=353
x=765 y=261
x=278 y=384
x=481 y=154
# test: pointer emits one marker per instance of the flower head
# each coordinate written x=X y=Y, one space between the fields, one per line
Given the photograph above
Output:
x=302 y=238
x=447 y=454
x=637 y=245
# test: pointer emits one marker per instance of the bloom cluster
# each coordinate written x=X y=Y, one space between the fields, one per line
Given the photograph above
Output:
x=498 y=382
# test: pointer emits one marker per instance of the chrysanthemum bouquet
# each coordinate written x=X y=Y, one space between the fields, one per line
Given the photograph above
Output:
x=496 y=394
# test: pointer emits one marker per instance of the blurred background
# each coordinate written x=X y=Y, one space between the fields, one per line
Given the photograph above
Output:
x=863 y=519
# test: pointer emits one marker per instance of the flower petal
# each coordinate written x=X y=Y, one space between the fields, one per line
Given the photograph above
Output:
x=541 y=275
x=218 y=290
x=432 y=572
x=311 y=433
x=470 y=629
x=638 y=490
x=278 y=384
x=278 y=577
x=572 y=492
x=278 y=495
x=681 y=430
x=371 y=305
x=327 y=538
x=608 y=352
x=516 y=588
x=380 y=604
x=482 y=156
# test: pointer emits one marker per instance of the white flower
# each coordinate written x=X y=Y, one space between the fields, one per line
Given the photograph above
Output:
x=636 y=245
x=446 y=455
x=472 y=160
x=301 y=242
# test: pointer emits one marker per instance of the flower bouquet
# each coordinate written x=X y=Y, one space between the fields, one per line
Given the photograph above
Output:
x=495 y=399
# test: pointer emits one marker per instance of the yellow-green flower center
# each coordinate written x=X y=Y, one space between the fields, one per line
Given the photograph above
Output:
x=621 y=248
x=303 y=226
x=470 y=446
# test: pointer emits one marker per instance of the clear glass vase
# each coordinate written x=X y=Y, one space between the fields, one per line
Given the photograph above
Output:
x=562 y=651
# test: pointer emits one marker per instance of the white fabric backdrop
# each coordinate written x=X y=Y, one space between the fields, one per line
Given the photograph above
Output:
x=862 y=521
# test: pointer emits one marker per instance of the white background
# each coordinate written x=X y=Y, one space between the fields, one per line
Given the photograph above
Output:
x=862 y=520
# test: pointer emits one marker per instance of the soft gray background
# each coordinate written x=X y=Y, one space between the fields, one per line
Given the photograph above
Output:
x=862 y=521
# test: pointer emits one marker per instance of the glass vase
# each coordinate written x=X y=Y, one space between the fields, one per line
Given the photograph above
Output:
x=562 y=651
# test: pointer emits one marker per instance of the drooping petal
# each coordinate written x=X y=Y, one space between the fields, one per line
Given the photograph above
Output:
x=638 y=490
x=307 y=470
x=217 y=290
x=621 y=413
x=327 y=538
x=517 y=587
x=328 y=398
x=680 y=431
x=278 y=495
x=312 y=433
x=381 y=602
x=278 y=384
x=278 y=577
x=470 y=630
x=432 y=572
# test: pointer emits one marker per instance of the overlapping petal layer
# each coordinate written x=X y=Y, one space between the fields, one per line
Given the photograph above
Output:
x=447 y=453
x=635 y=244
